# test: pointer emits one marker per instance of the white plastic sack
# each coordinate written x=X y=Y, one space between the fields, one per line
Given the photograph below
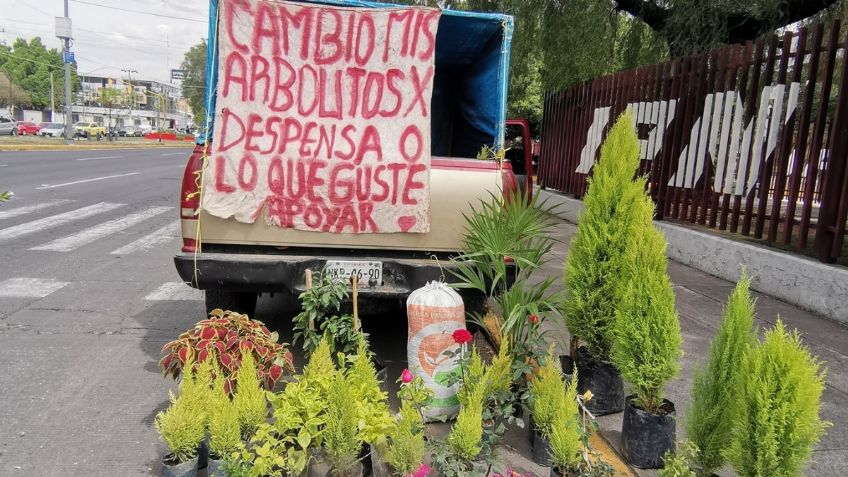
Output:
x=434 y=312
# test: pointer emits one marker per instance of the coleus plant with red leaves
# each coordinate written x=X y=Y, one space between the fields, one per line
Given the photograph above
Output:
x=223 y=336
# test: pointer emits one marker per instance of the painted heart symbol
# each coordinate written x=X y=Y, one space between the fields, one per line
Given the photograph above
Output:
x=406 y=222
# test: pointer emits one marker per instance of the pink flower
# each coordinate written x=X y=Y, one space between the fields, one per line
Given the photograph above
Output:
x=406 y=376
x=462 y=336
x=422 y=471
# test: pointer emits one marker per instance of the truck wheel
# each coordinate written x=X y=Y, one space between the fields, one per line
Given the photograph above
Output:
x=241 y=302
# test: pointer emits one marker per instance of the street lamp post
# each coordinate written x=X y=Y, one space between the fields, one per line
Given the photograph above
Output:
x=67 y=50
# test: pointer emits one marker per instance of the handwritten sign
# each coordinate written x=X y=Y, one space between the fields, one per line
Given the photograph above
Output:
x=323 y=117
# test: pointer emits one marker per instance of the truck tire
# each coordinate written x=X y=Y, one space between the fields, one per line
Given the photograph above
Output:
x=241 y=302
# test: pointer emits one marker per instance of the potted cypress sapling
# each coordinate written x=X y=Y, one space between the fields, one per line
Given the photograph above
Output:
x=182 y=426
x=342 y=442
x=709 y=420
x=249 y=398
x=776 y=409
x=224 y=432
x=593 y=270
x=647 y=347
x=546 y=389
x=564 y=436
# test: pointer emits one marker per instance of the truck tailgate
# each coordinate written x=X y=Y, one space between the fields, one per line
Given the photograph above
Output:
x=455 y=186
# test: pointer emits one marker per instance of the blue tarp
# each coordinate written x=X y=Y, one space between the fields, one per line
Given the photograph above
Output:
x=469 y=87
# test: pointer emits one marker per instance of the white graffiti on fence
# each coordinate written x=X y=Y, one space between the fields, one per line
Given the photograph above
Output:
x=716 y=133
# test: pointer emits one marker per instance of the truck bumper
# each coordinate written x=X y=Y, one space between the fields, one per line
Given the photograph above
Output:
x=239 y=272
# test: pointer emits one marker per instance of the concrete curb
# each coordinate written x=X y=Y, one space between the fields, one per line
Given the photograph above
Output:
x=807 y=283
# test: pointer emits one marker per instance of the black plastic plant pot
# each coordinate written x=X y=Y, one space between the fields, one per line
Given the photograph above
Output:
x=171 y=468
x=603 y=379
x=203 y=454
x=365 y=459
x=378 y=467
x=646 y=437
x=541 y=448
x=567 y=364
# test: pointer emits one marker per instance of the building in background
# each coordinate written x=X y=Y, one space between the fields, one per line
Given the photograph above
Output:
x=117 y=103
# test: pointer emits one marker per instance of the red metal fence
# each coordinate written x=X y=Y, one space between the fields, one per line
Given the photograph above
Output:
x=747 y=138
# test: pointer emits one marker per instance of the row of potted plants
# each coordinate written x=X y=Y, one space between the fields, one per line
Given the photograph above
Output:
x=619 y=305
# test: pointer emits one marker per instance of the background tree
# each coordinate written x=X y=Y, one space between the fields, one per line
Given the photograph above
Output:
x=28 y=65
x=194 y=84
x=112 y=100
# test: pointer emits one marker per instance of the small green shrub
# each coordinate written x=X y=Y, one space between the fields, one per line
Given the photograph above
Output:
x=467 y=433
x=593 y=272
x=545 y=391
x=776 y=410
x=564 y=433
x=249 y=398
x=341 y=439
x=406 y=447
x=647 y=347
x=709 y=421
x=680 y=464
x=372 y=405
x=183 y=424
x=224 y=432
x=320 y=316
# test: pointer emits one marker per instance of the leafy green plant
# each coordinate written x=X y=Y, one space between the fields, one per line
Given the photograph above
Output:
x=183 y=424
x=593 y=272
x=223 y=337
x=320 y=316
x=545 y=391
x=680 y=464
x=405 y=446
x=224 y=432
x=372 y=405
x=5 y=196
x=709 y=421
x=776 y=411
x=249 y=399
x=265 y=456
x=647 y=346
x=564 y=434
x=464 y=442
x=342 y=441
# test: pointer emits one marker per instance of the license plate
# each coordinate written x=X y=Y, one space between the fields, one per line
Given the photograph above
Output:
x=370 y=273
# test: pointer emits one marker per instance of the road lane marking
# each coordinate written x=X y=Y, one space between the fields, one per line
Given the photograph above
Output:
x=85 y=237
x=98 y=158
x=4 y=165
x=8 y=214
x=175 y=291
x=160 y=236
x=56 y=220
x=175 y=153
x=29 y=287
x=48 y=186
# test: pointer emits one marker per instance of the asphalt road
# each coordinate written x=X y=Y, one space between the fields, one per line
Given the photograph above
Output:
x=88 y=296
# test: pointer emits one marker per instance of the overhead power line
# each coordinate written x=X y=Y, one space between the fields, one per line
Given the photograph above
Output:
x=161 y=15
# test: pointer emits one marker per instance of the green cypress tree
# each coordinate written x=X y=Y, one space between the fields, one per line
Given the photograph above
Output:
x=647 y=347
x=708 y=421
x=593 y=279
x=776 y=409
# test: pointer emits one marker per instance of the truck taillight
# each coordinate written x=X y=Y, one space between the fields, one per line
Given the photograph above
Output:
x=510 y=185
x=189 y=196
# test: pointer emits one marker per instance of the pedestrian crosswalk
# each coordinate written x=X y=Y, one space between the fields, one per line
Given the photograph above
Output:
x=130 y=231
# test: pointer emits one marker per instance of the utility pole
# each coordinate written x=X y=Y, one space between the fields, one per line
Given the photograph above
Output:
x=132 y=92
x=63 y=31
x=52 y=99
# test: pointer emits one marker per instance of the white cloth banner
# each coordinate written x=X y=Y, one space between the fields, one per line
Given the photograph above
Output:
x=323 y=117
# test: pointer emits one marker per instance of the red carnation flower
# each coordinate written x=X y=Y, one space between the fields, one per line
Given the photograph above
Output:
x=534 y=319
x=462 y=336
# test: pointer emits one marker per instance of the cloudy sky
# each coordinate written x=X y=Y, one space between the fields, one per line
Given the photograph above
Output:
x=111 y=35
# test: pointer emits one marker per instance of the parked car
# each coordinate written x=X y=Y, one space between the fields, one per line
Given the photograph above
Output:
x=53 y=130
x=8 y=126
x=130 y=131
x=89 y=130
x=28 y=128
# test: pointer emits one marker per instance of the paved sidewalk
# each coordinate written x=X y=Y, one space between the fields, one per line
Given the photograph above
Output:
x=700 y=298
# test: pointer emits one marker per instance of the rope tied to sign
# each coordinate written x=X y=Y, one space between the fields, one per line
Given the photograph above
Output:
x=199 y=175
